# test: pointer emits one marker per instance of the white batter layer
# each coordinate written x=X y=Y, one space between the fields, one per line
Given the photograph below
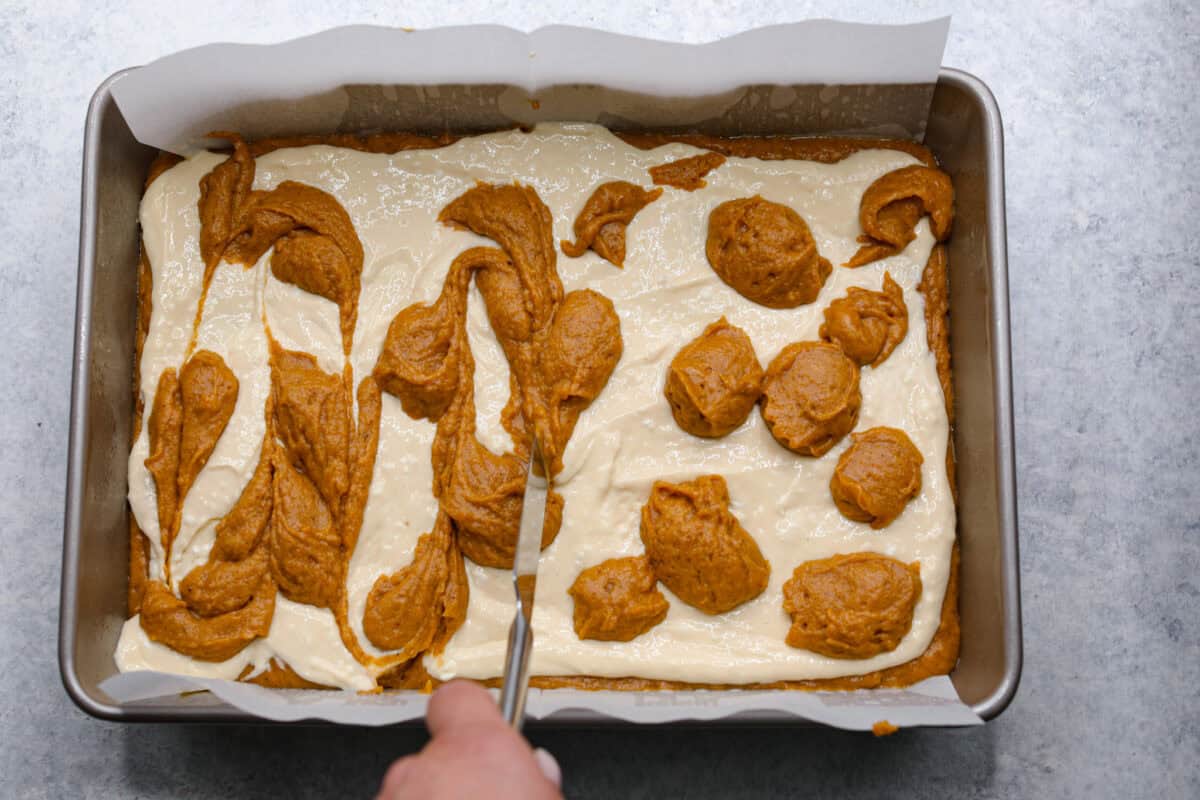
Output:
x=666 y=294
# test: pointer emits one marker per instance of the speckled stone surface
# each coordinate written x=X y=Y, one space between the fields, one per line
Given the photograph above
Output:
x=1101 y=116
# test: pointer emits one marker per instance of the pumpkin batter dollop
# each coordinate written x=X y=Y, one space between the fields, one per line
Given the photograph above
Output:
x=851 y=606
x=765 y=252
x=697 y=547
x=876 y=476
x=687 y=173
x=714 y=381
x=867 y=325
x=425 y=602
x=579 y=354
x=891 y=206
x=208 y=391
x=602 y=221
x=811 y=397
x=617 y=600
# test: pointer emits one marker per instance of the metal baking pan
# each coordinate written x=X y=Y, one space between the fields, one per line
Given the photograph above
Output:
x=964 y=131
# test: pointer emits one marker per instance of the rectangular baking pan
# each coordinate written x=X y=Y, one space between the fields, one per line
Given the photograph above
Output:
x=964 y=132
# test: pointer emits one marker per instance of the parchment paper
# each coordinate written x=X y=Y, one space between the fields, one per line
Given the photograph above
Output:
x=930 y=702
x=821 y=73
x=809 y=77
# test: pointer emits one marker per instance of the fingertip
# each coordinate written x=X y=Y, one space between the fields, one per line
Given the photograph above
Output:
x=548 y=765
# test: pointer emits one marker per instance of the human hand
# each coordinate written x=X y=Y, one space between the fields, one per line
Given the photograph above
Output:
x=473 y=753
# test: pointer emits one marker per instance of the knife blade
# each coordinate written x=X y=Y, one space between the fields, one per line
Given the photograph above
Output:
x=525 y=565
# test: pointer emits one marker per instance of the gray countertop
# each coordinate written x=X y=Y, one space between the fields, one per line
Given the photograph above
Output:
x=1101 y=115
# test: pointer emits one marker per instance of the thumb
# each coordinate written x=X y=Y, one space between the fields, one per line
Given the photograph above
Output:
x=460 y=704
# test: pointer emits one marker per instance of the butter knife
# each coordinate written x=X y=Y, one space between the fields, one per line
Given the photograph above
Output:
x=525 y=566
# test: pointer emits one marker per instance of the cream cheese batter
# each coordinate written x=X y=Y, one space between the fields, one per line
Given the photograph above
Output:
x=665 y=295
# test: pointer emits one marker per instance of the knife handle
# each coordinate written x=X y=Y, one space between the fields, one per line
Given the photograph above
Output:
x=516 y=671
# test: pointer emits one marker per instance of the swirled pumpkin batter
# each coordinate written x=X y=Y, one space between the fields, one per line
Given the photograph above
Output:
x=876 y=476
x=427 y=363
x=315 y=244
x=229 y=607
x=892 y=205
x=313 y=422
x=811 y=397
x=168 y=620
x=617 y=600
x=306 y=544
x=238 y=560
x=295 y=523
x=601 y=223
x=224 y=585
x=715 y=381
x=515 y=218
x=165 y=426
x=851 y=606
x=687 y=173
x=698 y=548
x=867 y=325
x=189 y=414
x=224 y=193
x=561 y=351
